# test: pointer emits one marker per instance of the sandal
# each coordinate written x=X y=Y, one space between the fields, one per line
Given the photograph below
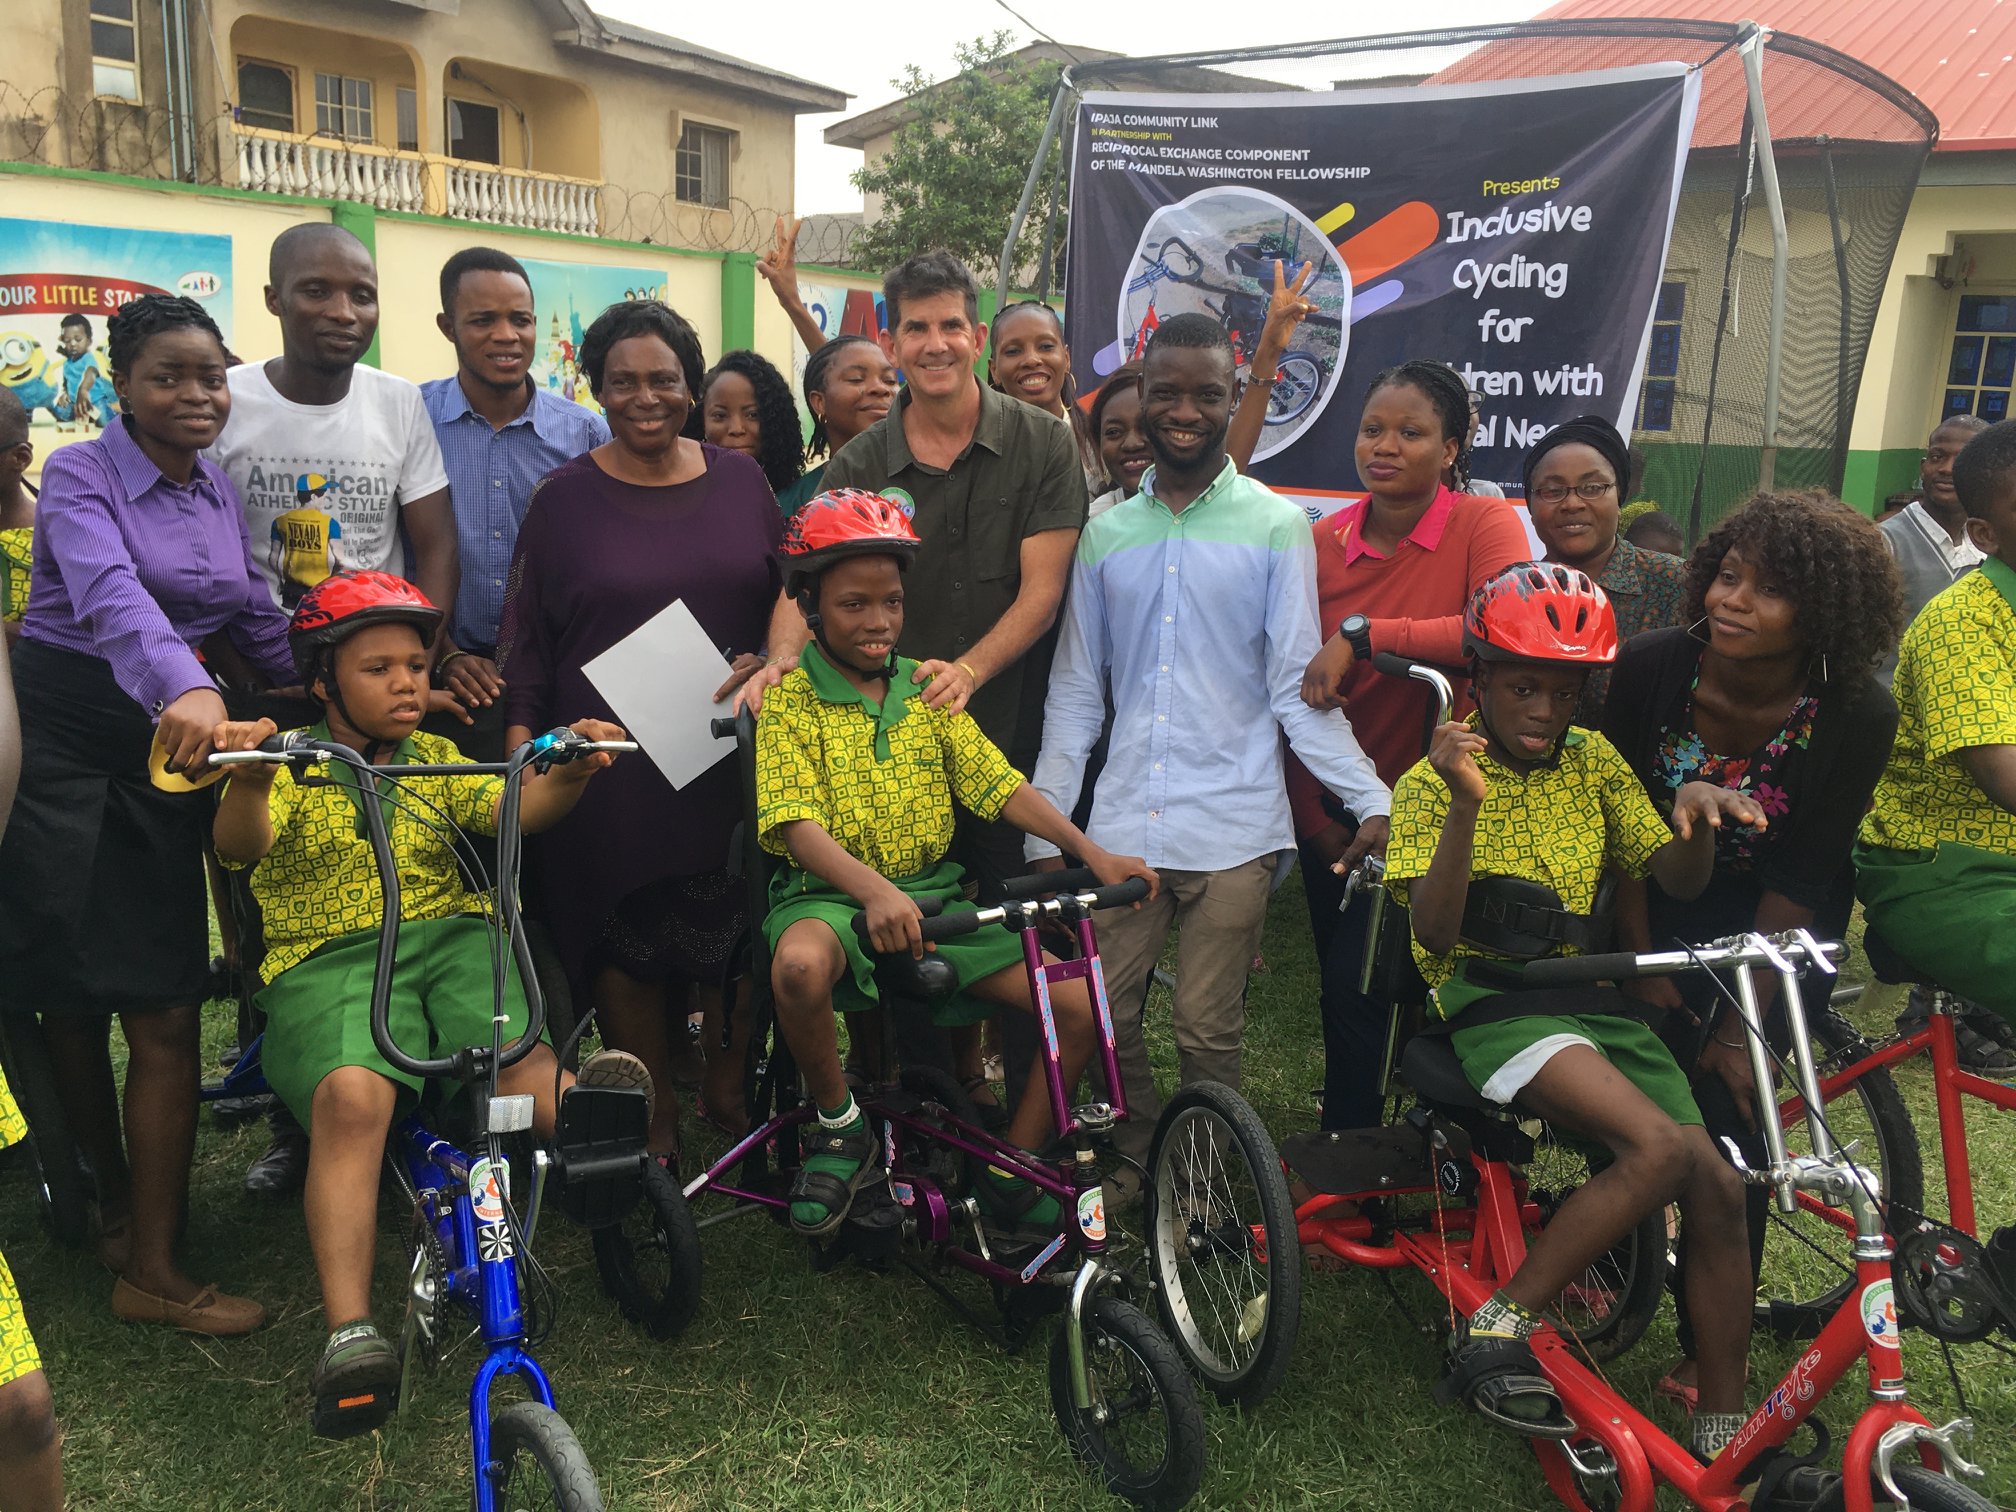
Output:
x=1683 y=1394
x=356 y=1383
x=823 y=1188
x=1009 y=1201
x=992 y=1115
x=1500 y=1380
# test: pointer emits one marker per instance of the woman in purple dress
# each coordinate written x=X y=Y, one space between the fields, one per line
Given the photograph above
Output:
x=636 y=886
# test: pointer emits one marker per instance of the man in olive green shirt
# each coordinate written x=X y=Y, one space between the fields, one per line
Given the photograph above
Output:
x=997 y=496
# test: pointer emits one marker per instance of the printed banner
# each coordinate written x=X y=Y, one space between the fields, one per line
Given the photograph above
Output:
x=566 y=298
x=58 y=286
x=1515 y=230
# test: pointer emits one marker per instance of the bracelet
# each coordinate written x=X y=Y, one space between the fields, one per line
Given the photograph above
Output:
x=1262 y=382
x=450 y=657
x=1727 y=1044
x=963 y=667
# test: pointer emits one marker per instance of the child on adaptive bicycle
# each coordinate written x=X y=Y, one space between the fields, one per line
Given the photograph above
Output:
x=360 y=643
x=855 y=781
x=1500 y=841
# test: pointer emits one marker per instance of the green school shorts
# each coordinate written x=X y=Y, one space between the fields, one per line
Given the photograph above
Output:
x=795 y=895
x=318 y=1013
x=1625 y=1042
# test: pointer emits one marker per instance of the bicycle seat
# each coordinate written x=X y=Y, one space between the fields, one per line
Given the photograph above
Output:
x=902 y=976
x=1429 y=1065
x=1885 y=962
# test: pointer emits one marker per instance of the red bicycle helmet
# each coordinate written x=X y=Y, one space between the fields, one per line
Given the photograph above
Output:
x=840 y=523
x=1541 y=612
x=344 y=603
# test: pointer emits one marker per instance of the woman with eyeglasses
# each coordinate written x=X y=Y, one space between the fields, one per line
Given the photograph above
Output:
x=1574 y=492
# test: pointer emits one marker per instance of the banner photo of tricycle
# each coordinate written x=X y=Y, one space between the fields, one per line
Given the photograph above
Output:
x=1515 y=230
x=59 y=284
x=566 y=298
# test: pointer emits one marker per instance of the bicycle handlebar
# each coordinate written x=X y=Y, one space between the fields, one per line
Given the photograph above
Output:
x=1624 y=965
x=938 y=926
x=555 y=746
x=1037 y=884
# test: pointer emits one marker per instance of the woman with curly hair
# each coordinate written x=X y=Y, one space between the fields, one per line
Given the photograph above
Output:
x=746 y=406
x=1791 y=604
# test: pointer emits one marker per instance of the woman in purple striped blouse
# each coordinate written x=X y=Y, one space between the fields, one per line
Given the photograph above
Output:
x=140 y=555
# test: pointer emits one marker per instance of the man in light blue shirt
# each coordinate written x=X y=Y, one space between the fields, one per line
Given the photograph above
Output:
x=1193 y=606
x=500 y=434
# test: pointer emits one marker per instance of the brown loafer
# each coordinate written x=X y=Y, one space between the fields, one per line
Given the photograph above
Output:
x=208 y=1312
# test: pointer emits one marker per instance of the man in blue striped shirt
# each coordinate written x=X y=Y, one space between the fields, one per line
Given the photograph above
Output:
x=500 y=433
x=1193 y=608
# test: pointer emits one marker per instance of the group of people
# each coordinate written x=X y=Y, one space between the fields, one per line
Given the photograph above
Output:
x=983 y=627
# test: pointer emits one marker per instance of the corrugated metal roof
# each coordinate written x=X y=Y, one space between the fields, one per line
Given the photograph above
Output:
x=1958 y=56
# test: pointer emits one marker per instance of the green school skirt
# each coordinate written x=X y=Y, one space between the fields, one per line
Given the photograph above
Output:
x=318 y=1013
x=796 y=895
x=1950 y=913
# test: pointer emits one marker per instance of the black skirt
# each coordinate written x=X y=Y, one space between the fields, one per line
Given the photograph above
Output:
x=103 y=907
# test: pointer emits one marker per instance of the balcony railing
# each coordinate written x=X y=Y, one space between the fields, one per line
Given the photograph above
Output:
x=274 y=162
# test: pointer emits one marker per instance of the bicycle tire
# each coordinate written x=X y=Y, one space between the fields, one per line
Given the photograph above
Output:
x=64 y=1188
x=1791 y=1301
x=1609 y=1308
x=1124 y=1347
x=1231 y=1306
x=1298 y=380
x=532 y=1438
x=1927 y=1491
x=653 y=1271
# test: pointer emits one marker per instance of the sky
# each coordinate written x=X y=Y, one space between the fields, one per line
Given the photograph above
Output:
x=815 y=42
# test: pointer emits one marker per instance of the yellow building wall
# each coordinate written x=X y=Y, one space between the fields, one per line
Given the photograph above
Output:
x=305 y=51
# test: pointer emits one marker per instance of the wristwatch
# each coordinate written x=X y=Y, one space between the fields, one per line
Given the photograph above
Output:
x=1357 y=630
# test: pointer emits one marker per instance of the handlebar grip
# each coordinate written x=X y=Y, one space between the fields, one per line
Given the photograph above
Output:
x=1391 y=664
x=1133 y=890
x=1579 y=971
x=951 y=926
x=722 y=729
x=929 y=907
x=1041 y=884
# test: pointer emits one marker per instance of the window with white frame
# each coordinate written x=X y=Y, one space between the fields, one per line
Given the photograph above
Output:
x=343 y=107
x=700 y=166
x=265 y=95
x=115 y=50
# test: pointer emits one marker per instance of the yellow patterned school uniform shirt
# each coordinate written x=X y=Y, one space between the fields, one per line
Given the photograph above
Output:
x=879 y=778
x=17 y=563
x=1955 y=687
x=319 y=881
x=1560 y=824
x=18 y=1355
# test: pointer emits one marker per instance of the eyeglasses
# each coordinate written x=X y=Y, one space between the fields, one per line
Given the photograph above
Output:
x=1554 y=493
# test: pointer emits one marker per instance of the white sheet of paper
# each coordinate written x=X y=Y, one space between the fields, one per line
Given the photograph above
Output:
x=660 y=680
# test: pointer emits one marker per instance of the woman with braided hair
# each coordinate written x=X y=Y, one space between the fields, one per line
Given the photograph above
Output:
x=141 y=553
x=1393 y=573
x=849 y=385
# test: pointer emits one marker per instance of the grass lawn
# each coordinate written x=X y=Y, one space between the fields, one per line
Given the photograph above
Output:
x=849 y=1390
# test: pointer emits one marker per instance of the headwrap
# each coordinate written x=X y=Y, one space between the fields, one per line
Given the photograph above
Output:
x=1589 y=430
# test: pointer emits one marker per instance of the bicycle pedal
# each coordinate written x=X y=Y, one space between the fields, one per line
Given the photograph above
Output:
x=351 y=1416
x=598 y=1147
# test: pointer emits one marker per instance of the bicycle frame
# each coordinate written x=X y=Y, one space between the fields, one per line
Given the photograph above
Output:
x=1636 y=1452
x=1950 y=1082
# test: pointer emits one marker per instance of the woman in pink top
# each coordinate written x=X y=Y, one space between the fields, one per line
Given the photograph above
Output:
x=1393 y=573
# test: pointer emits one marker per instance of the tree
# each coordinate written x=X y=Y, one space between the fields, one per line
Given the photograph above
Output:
x=954 y=172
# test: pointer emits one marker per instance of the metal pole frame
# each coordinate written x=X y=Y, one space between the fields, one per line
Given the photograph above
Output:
x=1037 y=164
x=1751 y=49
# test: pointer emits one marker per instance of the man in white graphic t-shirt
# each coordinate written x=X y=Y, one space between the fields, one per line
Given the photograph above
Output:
x=334 y=462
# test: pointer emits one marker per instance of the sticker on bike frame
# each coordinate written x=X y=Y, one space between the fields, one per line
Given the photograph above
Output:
x=1879 y=1313
x=905 y=1193
x=1047 y=1015
x=493 y=1242
x=1092 y=1213
x=489 y=1188
x=1043 y=1258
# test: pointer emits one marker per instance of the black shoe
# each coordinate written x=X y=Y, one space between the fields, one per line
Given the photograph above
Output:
x=278 y=1174
x=1981 y=1051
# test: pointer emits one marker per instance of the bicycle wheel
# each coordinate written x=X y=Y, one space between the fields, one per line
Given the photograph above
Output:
x=1807 y=1270
x=536 y=1462
x=650 y=1262
x=1144 y=1432
x=1297 y=382
x=1221 y=1243
x=1926 y=1490
x=63 y=1184
x=1610 y=1305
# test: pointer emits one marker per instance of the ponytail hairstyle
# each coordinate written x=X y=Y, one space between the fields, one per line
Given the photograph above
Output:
x=1448 y=395
x=818 y=444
